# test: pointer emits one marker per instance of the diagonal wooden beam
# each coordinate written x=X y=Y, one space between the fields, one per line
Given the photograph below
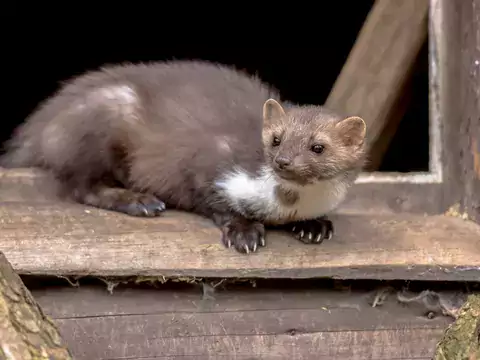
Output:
x=378 y=68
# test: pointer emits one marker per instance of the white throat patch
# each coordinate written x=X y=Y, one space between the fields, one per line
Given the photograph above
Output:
x=258 y=195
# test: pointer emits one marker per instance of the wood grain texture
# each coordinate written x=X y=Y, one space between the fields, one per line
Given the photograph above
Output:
x=347 y=309
x=459 y=57
x=379 y=65
x=394 y=198
x=248 y=324
x=372 y=345
x=25 y=332
x=60 y=239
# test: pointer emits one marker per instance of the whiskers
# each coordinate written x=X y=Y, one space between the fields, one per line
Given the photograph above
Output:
x=268 y=176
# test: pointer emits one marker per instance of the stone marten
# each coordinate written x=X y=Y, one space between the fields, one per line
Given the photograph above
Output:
x=199 y=137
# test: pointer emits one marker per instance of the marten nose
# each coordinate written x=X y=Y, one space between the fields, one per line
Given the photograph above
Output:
x=283 y=162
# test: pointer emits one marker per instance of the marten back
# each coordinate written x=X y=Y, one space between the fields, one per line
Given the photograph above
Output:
x=127 y=121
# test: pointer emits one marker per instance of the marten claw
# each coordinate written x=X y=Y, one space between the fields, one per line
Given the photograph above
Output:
x=243 y=235
x=262 y=241
x=329 y=235
x=143 y=205
x=141 y=209
x=313 y=231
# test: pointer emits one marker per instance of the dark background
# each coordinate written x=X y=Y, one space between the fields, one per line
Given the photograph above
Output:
x=300 y=55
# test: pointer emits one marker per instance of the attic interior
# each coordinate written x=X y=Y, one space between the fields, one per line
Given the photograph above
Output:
x=304 y=71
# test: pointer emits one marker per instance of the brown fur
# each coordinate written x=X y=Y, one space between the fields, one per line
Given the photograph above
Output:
x=287 y=197
x=134 y=138
x=299 y=128
x=166 y=145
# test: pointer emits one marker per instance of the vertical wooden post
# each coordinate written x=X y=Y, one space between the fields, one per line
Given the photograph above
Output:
x=460 y=103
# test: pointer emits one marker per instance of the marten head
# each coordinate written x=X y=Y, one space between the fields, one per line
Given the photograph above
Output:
x=306 y=144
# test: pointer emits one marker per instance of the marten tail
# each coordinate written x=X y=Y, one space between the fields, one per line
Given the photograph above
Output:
x=19 y=151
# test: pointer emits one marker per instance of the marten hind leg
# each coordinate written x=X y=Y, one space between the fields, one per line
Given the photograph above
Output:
x=88 y=151
x=109 y=190
x=121 y=200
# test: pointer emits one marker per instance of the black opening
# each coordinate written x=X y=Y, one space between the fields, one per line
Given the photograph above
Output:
x=303 y=66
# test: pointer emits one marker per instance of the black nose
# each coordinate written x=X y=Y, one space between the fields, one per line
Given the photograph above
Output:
x=282 y=162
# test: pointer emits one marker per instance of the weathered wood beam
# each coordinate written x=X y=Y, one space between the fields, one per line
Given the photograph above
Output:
x=70 y=239
x=267 y=323
x=462 y=338
x=458 y=53
x=373 y=79
x=25 y=332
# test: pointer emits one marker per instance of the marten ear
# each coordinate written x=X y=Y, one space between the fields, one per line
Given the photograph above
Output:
x=272 y=111
x=352 y=131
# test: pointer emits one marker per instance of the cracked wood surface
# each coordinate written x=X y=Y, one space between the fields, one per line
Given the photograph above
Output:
x=70 y=239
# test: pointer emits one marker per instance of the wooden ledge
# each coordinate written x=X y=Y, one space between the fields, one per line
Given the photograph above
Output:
x=28 y=184
x=70 y=239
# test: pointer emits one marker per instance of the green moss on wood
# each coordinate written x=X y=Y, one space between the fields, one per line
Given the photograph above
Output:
x=461 y=340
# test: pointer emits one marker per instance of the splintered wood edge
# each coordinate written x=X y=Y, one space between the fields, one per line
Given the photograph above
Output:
x=73 y=240
x=379 y=272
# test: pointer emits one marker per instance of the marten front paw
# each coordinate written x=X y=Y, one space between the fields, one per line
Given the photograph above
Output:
x=244 y=235
x=312 y=231
x=137 y=204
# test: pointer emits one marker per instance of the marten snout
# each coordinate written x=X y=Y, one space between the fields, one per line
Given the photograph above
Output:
x=283 y=162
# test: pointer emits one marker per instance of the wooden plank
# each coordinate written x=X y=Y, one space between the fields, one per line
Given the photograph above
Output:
x=78 y=240
x=256 y=324
x=393 y=198
x=340 y=310
x=380 y=63
x=354 y=345
x=244 y=357
x=25 y=332
x=458 y=54
x=21 y=185
x=392 y=119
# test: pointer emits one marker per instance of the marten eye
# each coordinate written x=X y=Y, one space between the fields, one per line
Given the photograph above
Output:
x=317 y=148
x=276 y=141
